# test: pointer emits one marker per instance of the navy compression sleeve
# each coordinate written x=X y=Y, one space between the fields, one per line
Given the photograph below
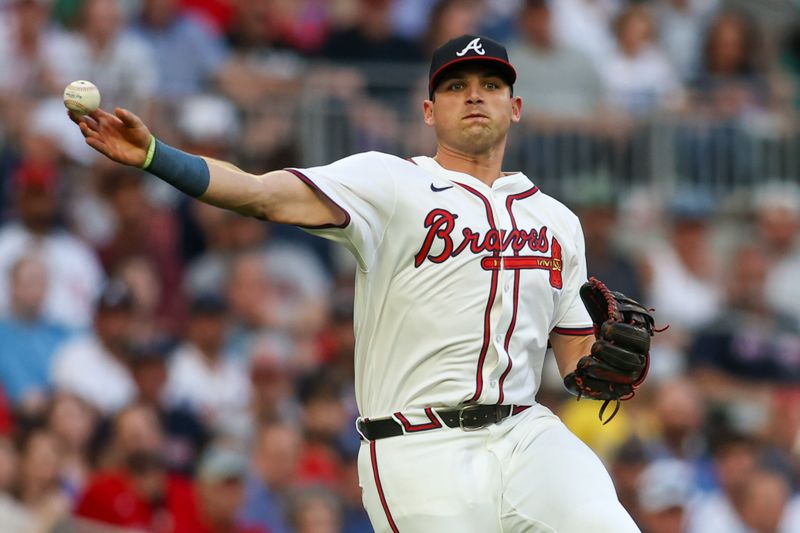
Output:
x=186 y=172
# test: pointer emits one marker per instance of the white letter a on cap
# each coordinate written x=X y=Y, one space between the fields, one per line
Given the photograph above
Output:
x=474 y=44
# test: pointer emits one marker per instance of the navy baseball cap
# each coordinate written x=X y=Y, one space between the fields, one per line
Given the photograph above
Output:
x=469 y=48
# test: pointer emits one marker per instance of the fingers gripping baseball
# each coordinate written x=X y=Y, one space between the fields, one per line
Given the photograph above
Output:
x=121 y=136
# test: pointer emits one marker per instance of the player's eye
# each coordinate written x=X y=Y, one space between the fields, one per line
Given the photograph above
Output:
x=491 y=85
x=457 y=85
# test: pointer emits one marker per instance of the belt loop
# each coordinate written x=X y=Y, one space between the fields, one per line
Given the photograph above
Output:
x=358 y=429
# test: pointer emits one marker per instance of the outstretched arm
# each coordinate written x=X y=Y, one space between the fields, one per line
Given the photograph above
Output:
x=276 y=196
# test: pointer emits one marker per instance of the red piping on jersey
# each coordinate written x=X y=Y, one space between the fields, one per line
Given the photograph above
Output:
x=492 y=294
x=374 y=459
x=308 y=181
x=513 y=260
x=411 y=428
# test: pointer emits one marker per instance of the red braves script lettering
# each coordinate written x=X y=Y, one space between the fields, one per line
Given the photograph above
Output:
x=441 y=223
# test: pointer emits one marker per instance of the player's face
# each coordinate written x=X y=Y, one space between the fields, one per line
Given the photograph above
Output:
x=472 y=110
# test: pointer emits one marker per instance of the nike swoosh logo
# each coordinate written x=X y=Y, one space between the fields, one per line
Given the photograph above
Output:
x=434 y=188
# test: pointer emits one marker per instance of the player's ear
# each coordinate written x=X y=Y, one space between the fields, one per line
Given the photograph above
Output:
x=516 y=108
x=427 y=112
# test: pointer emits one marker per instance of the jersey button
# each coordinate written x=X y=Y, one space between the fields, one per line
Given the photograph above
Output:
x=498 y=338
x=493 y=384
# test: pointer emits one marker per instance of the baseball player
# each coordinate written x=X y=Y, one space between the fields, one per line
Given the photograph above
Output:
x=466 y=273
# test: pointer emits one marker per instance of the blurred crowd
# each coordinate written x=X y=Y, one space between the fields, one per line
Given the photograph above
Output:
x=167 y=366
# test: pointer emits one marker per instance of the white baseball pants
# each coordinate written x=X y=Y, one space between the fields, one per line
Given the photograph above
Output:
x=527 y=474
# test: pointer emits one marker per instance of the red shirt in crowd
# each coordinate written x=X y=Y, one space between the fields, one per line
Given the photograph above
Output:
x=110 y=498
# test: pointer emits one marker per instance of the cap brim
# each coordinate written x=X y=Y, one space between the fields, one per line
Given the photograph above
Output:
x=506 y=68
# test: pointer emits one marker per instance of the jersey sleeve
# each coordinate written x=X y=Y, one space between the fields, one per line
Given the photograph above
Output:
x=362 y=186
x=571 y=317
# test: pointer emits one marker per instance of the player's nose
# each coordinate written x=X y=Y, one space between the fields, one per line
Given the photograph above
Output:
x=474 y=95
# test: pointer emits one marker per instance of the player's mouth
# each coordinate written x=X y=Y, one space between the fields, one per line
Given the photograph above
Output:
x=473 y=116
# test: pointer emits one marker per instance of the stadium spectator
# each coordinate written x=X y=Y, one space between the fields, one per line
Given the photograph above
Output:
x=596 y=207
x=29 y=340
x=735 y=458
x=665 y=491
x=371 y=38
x=25 y=71
x=681 y=28
x=217 y=13
x=143 y=229
x=220 y=483
x=324 y=425
x=253 y=302
x=274 y=461
x=188 y=53
x=748 y=350
x=411 y=18
x=73 y=272
x=94 y=366
x=141 y=275
x=184 y=433
x=679 y=411
x=262 y=66
x=449 y=19
x=778 y=225
x=273 y=398
x=626 y=466
x=684 y=260
x=354 y=517
x=315 y=509
x=638 y=77
x=72 y=421
x=210 y=228
x=765 y=503
x=297 y=282
x=790 y=61
x=16 y=519
x=202 y=376
x=210 y=124
x=7 y=414
x=135 y=490
x=39 y=483
x=368 y=46
x=731 y=94
x=121 y=64
x=732 y=82
x=586 y=25
x=556 y=81
x=748 y=343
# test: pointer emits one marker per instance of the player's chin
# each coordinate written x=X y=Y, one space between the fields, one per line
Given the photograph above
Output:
x=481 y=139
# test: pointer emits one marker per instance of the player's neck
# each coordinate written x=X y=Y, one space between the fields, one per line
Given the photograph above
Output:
x=485 y=167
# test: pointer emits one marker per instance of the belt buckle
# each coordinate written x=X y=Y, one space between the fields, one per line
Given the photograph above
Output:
x=467 y=409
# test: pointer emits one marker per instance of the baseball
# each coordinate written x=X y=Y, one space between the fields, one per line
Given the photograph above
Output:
x=81 y=97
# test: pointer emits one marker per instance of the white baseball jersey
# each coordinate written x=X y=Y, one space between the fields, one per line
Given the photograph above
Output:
x=459 y=284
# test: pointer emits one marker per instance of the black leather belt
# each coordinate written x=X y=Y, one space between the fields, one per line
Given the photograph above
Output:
x=469 y=417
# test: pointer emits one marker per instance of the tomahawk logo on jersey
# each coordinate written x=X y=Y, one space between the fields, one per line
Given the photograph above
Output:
x=469 y=282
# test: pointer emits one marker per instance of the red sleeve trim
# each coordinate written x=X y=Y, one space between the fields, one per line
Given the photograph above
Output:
x=577 y=332
x=308 y=181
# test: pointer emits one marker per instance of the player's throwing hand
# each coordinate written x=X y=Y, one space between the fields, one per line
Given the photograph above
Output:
x=122 y=136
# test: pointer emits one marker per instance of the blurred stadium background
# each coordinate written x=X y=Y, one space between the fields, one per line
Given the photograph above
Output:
x=166 y=366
